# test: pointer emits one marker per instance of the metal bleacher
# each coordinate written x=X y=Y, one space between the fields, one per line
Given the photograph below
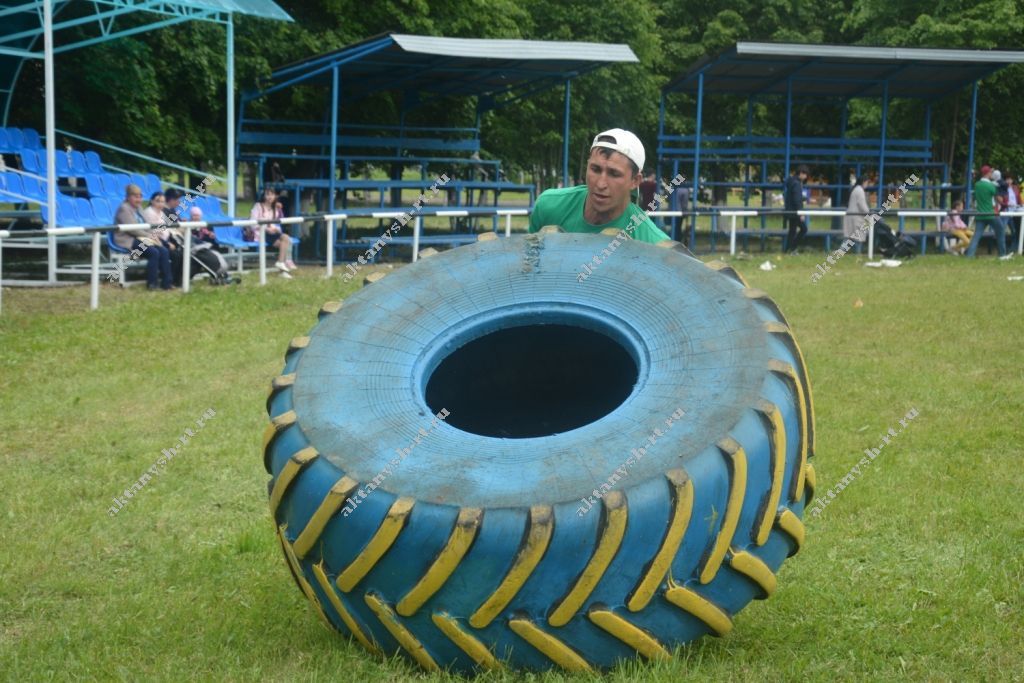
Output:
x=406 y=148
x=780 y=77
x=416 y=71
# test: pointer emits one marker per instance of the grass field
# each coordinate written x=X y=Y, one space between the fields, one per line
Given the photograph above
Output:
x=915 y=569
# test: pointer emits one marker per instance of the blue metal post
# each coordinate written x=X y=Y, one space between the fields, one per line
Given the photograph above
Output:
x=746 y=164
x=881 y=151
x=789 y=122
x=334 y=136
x=661 y=131
x=232 y=179
x=565 y=135
x=696 y=141
x=970 y=147
x=928 y=137
x=842 y=151
x=51 y=141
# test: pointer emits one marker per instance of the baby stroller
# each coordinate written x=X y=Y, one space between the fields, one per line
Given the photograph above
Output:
x=892 y=245
x=206 y=259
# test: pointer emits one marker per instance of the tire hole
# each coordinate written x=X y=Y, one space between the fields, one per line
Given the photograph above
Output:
x=532 y=381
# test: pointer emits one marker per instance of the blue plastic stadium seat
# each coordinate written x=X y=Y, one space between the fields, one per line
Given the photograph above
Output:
x=67 y=215
x=16 y=137
x=231 y=235
x=63 y=165
x=94 y=185
x=12 y=183
x=32 y=138
x=33 y=188
x=84 y=209
x=152 y=184
x=78 y=165
x=140 y=180
x=67 y=212
x=102 y=211
x=30 y=162
x=123 y=179
x=210 y=207
x=93 y=162
x=113 y=246
x=113 y=186
x=5 y=142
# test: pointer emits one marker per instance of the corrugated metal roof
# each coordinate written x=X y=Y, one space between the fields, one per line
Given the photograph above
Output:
x=266 y=9
x=450 y=66
x=481 y=48
x=883 y=53
x=841 y=71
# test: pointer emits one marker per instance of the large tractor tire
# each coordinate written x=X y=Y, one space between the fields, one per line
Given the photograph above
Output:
x=485 y=459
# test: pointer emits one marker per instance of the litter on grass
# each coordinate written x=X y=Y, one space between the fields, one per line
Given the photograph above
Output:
x=767 y=265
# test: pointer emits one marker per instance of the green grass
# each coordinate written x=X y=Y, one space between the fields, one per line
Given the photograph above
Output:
x=914 y=570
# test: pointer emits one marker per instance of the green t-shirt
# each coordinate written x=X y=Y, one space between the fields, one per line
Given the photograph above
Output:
x=564 y=207
x=984 y=193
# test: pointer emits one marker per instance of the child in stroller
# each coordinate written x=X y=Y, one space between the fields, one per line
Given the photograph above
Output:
x=205 y=256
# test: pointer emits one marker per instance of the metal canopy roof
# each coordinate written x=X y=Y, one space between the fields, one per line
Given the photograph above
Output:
x=761 y=69
x=449 y=66
x=21 y=23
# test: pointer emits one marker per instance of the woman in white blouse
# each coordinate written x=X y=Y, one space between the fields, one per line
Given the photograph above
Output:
x=266 y=209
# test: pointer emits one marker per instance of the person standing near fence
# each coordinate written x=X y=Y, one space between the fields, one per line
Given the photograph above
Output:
x=984 y=203
x=857 y=211
x=793 y=196
x=1013 y=203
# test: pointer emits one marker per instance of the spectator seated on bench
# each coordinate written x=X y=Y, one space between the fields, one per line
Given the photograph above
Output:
x=266 y=209
x=158 y=258
x=958 y=236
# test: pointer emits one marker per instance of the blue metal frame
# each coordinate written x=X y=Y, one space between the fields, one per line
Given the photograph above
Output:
x=565 y=135
x=335 y=88
x=970 y=151
x=889 y=152
x=696 y=157
x=881 y=147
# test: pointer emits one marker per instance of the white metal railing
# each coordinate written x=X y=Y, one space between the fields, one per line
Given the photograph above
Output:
x=329 y=219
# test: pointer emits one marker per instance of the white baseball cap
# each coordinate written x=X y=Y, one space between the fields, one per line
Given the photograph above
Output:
x=623 y=142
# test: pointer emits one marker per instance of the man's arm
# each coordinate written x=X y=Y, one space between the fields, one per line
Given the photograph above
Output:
x=537 y=215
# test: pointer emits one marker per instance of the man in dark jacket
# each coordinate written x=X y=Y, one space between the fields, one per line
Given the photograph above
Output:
x=793 y=193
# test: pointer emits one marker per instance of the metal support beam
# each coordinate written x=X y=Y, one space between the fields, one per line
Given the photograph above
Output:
x=51 y=140
x=335 y=85
x=843 y=119
x=565 y=135
x=789 y=124
x=232 y=171
x=928 y=137
x=696 y=141
x=881 y=149
x=968 y=179
x=661 y=128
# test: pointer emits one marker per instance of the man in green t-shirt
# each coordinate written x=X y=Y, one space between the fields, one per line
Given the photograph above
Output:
x=613 y=174
x=984 y=202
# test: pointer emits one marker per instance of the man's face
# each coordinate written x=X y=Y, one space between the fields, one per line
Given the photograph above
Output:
x=610 y=180
x=172 y=202
x=802 y=175
x=135 y=199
